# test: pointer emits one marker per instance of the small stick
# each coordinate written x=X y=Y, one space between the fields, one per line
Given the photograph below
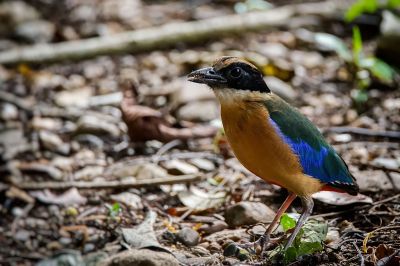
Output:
x=362 y=262
x=355 y=208
x=394 y=135
x=108 y=184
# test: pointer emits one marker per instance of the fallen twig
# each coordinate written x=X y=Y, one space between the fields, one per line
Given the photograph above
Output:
x=108 y=184
x=169 y=34
x=19 y=102
x=362 y=262
x=322 y=215
x=394 y=135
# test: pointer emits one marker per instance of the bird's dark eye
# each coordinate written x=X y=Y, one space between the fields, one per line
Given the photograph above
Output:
x=236 y=72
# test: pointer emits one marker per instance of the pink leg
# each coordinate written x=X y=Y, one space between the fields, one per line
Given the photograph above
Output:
x=280 y=212
x=264 y=239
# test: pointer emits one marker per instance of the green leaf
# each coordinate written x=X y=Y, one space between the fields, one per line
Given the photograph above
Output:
x=378 y=68
x=357 y=45
x=290 y=255
x=392 y=4
x=308 y=240
x=361 y=96
x=333 y=43
x=114 y=210
x=360 y=7
x=287 y=222
x=309 y=248
x=314 y=231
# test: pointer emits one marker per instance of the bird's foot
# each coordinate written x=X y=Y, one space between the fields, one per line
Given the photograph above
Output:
x=243 y=251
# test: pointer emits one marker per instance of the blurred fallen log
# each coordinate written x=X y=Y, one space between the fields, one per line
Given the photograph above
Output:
x=392 y=135
x=145 y=123
x=170 y=34
x=120 y=184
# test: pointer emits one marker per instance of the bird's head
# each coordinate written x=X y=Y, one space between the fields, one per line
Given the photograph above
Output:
x=231 y=73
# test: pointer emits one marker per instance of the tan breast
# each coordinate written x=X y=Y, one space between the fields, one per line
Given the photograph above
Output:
x=260 y=149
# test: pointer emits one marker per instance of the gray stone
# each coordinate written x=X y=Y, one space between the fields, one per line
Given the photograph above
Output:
x=177 y=167
x=37 y=31
x=53 y=142
x=387 y=163
x=97 y=126
x=203 y=164
x=16 y=12
x=248 y=213
x=214 y=227
x=22 y=235
x=78 y=97
x=395 y=179
x=273 y=50
x=281 y=88
x=8 y=112
x=89 y=172
x=199 y=111
x=307 y=59
x=142 y=257
x=188 y=236
x=129 y=199
x=373 y=180
x=186 y=91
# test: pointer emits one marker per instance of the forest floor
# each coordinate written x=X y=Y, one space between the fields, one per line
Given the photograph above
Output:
x=76 y=190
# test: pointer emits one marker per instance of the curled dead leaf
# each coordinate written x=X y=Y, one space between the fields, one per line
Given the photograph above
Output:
x=145 y=123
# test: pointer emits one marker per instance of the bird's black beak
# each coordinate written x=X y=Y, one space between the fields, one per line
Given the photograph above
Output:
x=207 y=76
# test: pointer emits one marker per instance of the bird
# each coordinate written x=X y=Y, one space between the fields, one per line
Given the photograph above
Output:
x=273 y=139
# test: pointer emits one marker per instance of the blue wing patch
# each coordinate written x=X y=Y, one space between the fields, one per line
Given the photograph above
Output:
x=323 y=163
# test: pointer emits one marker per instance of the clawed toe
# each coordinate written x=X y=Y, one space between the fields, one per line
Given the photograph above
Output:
x=243 y=251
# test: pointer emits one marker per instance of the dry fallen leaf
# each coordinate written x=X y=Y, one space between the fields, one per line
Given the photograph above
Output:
x=69 y=197
x=145 y=123
x=340 y=199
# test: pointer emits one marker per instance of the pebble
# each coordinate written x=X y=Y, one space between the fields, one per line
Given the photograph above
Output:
x=79 y=97
x=273 y=50
x=151 y=171
x=248 y=213
x=199 y=111
x=51 y=171
x=141 y=257
x=213 y=227
x=281 y=88
x=203 y=164
x=90 y=140
x=37 y=31
x=186 y=91
x=16 y=12
x=188 y=236
x=97 y=126
x=89 y=172
x=129 y=199
x=373 y=180
x=89 y=247
x=53 y=142
x=22 y=235
x=8 y=112
x=307 y=59
x=387 y=163
x=107 y=99
x=178 y=167
x=65 y=241
x=395 y=179
x=42 y=123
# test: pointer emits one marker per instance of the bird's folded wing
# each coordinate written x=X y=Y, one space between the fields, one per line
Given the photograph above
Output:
x=317 y=158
